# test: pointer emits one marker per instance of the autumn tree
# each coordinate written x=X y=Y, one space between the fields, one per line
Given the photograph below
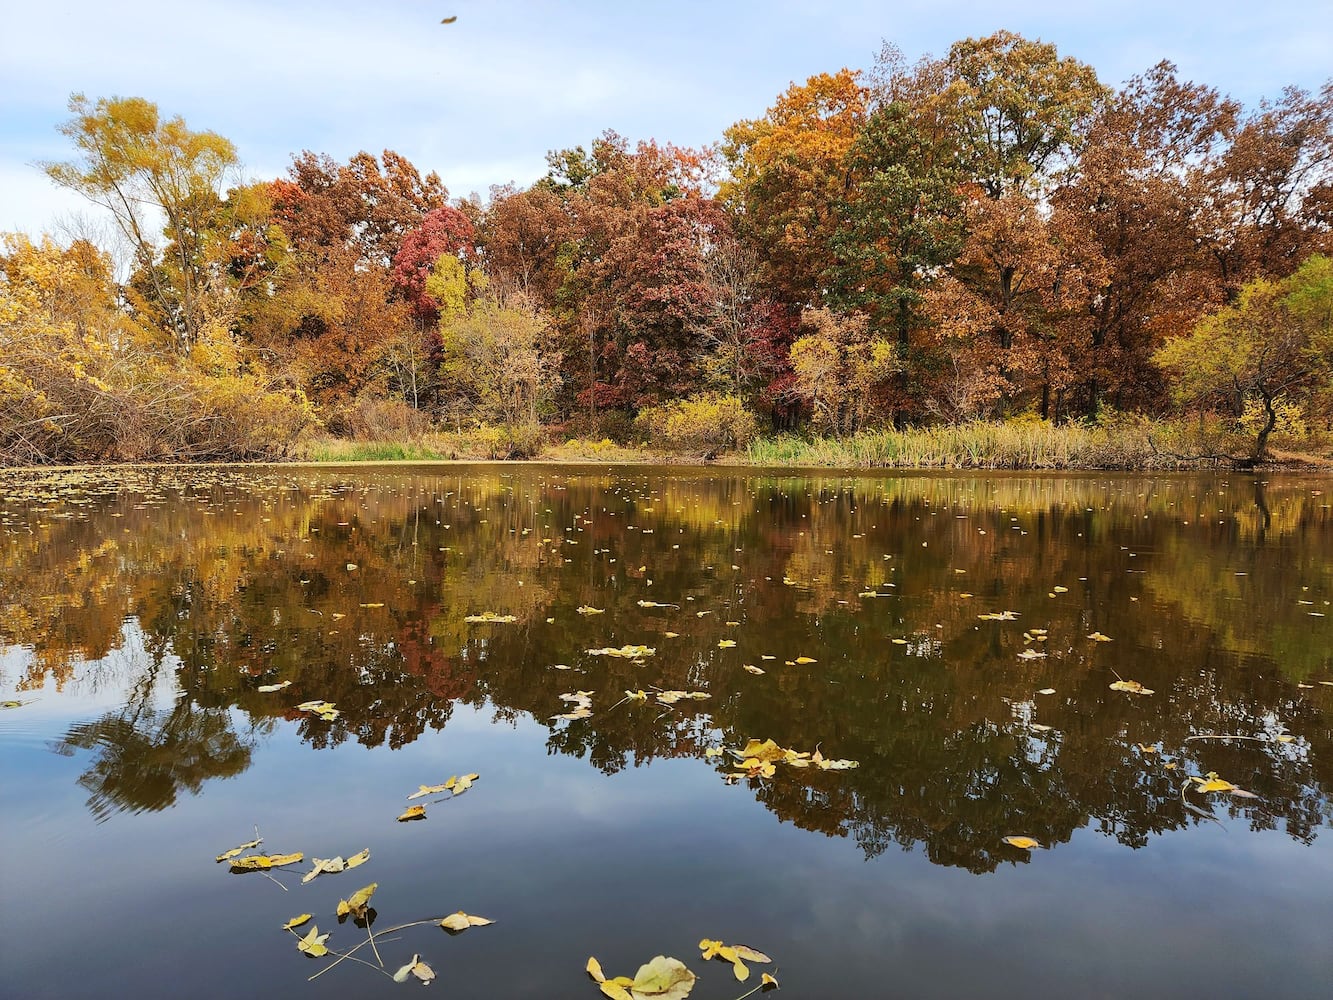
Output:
x=839 y=368
x=1274 y=345
x=135 y=164
x=789 y=172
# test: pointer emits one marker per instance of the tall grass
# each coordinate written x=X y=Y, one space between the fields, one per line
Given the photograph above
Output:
x=974 y=445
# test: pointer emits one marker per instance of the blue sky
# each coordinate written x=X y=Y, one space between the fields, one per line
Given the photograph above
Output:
x=481 y=101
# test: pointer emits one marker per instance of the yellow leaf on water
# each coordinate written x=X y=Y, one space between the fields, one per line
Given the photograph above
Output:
x=1133 y=687
x=228 y=855
x=424 y=790
x=296 y=921
x=594 y=969
x=374 y=605
x=1046 y=691
x=423 y=972
x=1098 y=637
x=1212 y=783
x=460 y=785
x=712 y=752
x=752 y=668
x=586 y=609
x=804 y=660
x=261 y=862
x=411 y=813
x=726 y=643
x=766 y=981
x=898 y=641
x=460 y=921
x=615 y=990
x=490 y=617
x=356 y=903
x=624 y=652
x=1023 y=843
x=324 y=865
x=360 y=858
x=269 y=688
x=663 y=978
x=313 y=943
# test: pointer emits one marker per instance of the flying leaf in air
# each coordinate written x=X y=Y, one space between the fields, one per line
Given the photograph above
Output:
x=460 y=921
x=1022 y=843
x=357 y=902
x=313 y=943
x=411 y=813
x=449 y=20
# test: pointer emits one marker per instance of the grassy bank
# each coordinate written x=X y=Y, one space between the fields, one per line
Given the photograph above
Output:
x=1119 y=445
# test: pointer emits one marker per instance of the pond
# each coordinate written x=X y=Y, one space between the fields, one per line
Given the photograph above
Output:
x=940 y=661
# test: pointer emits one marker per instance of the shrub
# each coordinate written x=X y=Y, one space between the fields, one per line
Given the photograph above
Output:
x=707 y=423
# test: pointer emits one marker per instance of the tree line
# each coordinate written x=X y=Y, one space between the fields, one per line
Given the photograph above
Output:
x=987 y=234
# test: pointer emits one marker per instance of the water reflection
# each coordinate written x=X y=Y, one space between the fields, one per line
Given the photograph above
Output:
x=354 y=588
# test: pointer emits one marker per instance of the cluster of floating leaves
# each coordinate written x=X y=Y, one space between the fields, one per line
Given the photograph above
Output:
x=759 y=759
x=490 y=618
x=665 y=978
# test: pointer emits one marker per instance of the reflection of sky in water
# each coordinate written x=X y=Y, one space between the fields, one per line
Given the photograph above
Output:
x=572 y=863
x=635 y=859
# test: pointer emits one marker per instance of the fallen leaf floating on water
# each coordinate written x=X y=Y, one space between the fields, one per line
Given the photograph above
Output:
x=1060 y=590
x=357 y=903
x=588 y=610
x=752 y=668
x=999 y=616
x=661 y=979
x=460 y=921
x=1098 y=637
x=250 y=845
x=330 y=866
x=263 y=862
x=758 y=759
x=655 y=604
x=490 y=617
x=324 y=709
x=671 y=697
x=313 y=943
x=11 y=703
x=726 y=643
x=624 y=652
x=461 y=784
x=1031 y=654
x=411 y=813
x=296 y=921
x=1022 y=843
x=417 y=968
x=1133 y=687
x=736 y=954
x=768 y=982
x=270 y=688
x=710 y=752
x=803 y=660
x=1212 y=783
x=1046 y=691
x=424 y=790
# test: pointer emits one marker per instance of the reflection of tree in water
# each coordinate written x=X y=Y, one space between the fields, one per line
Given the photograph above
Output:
x=145 y=758
x=942 y=727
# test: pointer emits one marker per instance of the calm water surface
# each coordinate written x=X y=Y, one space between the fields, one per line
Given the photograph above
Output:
x=142 y=611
